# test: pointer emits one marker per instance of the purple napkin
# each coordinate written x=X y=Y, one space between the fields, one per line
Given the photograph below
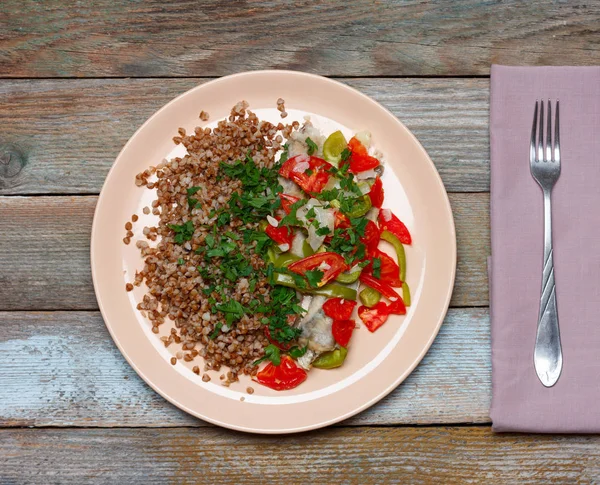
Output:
x=519 y=401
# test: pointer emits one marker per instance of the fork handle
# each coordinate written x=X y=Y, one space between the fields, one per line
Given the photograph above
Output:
x=547 y=356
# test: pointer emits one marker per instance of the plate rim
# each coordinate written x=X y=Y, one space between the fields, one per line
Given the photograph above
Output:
x=399 y=378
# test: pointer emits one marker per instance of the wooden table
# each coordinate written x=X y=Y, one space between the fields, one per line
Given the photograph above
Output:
x=79 y=80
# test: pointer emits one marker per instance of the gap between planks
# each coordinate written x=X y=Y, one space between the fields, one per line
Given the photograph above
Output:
x=52 y=235
x=62 y=369
x=449 y=455
x=378 y=38
x=68 y=156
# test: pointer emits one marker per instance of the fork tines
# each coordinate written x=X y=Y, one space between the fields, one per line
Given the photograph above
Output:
x=545 y=150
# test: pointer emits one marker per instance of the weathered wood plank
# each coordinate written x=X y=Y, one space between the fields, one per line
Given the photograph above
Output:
x=62 y=136
x=62 y=369
x=334 y=455
x=44 y=261
x=343 y=38
x=45 y=256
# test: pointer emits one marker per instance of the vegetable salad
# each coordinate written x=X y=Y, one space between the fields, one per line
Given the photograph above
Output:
x=323 y=230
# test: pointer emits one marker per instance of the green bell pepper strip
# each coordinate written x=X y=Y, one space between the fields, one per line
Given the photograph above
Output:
x=331 y=359
x=348 y=278
x=331 y=290
x=307 y=250
x=321 y=249
x=361 y=206
x=370 y=297
x=405 y=293
x=271 y=255
x=285 y=259
x=333 y=147
x=394 y=241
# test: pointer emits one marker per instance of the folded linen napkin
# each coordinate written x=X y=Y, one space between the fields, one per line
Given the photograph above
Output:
x=519 y=401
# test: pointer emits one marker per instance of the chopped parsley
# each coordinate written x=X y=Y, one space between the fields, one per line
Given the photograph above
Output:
x=193 y=190
x=232 y=309
x=359 y=224
x=346 y=242
x=283 y=303
x=329 y=195
x=312 y=146
x=223 y=219
x=291 y=219
x=377 y=267
x=272 y=353
x=258 y=197
x=297 y=352
x=314 y=277
x=223 y=249
x=215 y=333
x=183 y=232
x=193 y=203
x=284 y=155
x=299 y=281
x=263 y=242
x=180 y=261
x=322 y=231
x=346 y=153
x=209 y=240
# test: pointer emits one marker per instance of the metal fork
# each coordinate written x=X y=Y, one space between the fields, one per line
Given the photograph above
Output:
x=545 y=169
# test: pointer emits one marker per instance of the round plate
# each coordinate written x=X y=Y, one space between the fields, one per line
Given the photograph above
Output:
x=377 y=362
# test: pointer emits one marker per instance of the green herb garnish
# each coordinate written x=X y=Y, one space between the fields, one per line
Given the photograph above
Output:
x=314 y=277
x=322 y=231
x=312 y=146
x=232 y=309
x=183 y=232
x=272 y=353
x=284 y=155
x=377 y=267
x=297 y=352
x=216 y=331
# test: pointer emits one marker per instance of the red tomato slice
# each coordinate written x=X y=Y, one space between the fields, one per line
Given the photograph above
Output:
x=383 y=288
x=282 y=377
x=395 y=226
x=376 y=193
x=398 y=307
x=375 y=317
x=319 y=175
x=277 y=344
x=360 y=160
x=342 y=331
x=287 y=201
x=339 y=309
x=389 y=270
x=371 y=237
x=333 y=265
x=281 y=234
x=341 y=221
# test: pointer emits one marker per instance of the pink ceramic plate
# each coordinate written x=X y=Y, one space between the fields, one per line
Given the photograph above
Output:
x=377 y=362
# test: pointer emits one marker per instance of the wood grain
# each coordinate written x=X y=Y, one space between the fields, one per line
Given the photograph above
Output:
x=340 y=38
x=44 y=259
x=79 y=127
x=62 y=369
x=334 y=455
